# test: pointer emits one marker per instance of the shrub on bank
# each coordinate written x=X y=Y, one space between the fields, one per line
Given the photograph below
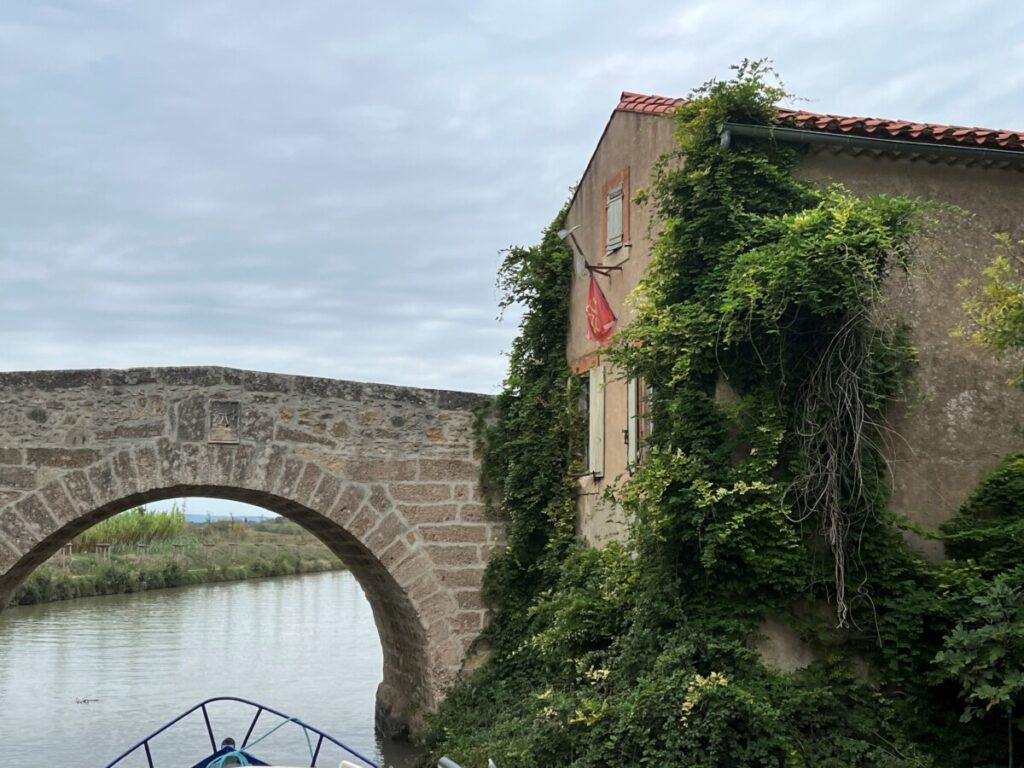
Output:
x=136 y=526
x=48 y=584
x=155 y=551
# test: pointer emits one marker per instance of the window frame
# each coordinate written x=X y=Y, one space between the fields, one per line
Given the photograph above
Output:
x=617 y=185
x=638 y=420
x=595 y=437
x=591 y=407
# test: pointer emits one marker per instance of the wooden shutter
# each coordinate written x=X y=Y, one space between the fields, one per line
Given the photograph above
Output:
x=613 y=219
x=632 y=422
x=596 y=438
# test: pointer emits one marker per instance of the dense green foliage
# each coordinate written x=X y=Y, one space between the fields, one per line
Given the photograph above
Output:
x=996 y=312
x=993 y=631
x=989 y=531
x=136 y=526
x=983 y=592
x=527 y=430
x=762 y=328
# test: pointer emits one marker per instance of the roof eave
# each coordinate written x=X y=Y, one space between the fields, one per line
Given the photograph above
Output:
x=985 y=155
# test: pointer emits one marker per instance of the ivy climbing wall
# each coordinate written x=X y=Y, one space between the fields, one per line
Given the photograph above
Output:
x=961 y=420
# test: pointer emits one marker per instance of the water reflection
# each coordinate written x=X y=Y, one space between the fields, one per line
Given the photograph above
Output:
x=306 y=645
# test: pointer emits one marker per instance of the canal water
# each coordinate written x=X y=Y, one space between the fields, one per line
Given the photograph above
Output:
x=82 y=680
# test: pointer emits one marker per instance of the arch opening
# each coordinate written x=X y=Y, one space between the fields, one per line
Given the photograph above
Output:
x=405 y=690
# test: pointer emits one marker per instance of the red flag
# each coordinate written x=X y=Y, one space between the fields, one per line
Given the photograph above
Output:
x=601 y=320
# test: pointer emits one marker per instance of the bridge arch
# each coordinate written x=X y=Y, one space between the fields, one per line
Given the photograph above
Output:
x=385 y=476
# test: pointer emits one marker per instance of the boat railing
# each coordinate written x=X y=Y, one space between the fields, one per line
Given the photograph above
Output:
x=320 y=736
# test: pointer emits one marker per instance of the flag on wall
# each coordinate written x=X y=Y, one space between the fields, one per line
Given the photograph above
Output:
x=601 y=320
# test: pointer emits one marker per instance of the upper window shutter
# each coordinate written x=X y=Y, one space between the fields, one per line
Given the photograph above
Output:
x=613 y=219
x=596 y=447
x=632 y=421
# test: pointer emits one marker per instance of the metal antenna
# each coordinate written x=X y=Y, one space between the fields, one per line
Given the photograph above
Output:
x=582 y=260
x=581 y=263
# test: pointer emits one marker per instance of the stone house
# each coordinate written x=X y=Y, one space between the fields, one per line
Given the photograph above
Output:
x=967 y=417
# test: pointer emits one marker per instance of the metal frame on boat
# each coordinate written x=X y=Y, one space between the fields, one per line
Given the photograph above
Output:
x=220 y=751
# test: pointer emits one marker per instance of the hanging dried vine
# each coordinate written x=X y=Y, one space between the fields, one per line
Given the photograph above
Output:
x=835 y=433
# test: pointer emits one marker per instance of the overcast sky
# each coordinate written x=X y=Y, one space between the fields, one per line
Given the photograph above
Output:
x=322 y=187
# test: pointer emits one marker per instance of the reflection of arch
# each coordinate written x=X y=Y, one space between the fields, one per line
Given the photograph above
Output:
x=405 y=523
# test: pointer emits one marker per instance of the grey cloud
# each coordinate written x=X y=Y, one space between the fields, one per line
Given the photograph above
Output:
x=323 y=188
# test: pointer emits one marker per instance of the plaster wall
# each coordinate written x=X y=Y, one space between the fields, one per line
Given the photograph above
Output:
x=966 y=417
x=632 y=143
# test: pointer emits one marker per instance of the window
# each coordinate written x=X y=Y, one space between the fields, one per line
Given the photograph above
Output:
x=581 y=450
x=638 y=424
x=615 y=220
x=591 y=409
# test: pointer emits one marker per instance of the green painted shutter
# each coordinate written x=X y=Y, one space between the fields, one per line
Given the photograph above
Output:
x=613 y=207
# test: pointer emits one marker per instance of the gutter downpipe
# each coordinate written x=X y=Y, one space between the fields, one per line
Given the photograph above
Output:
x=896 y=146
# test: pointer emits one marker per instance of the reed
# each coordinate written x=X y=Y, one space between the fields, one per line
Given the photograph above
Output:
x=136 y=526
x=175 y=554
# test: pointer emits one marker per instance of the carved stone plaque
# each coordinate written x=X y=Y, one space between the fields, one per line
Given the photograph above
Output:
x=225 y=416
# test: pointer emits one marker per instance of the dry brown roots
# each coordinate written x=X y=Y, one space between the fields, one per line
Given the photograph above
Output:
x=837 y=431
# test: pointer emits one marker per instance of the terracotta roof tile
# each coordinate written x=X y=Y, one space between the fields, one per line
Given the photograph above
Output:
x=865 y=126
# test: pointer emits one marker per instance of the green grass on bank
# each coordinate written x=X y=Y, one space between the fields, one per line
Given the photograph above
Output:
x=154 y=551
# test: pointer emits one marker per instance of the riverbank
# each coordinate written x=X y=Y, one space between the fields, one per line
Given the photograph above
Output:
x=205 y=553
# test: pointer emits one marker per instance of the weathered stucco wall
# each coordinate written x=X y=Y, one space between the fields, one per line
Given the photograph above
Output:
x=635 y=143
x=967 y=417
x=385 y=476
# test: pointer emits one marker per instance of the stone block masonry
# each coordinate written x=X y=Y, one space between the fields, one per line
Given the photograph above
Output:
x=386 y=476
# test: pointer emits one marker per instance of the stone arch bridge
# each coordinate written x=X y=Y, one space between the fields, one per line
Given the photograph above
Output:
x=385 y=476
